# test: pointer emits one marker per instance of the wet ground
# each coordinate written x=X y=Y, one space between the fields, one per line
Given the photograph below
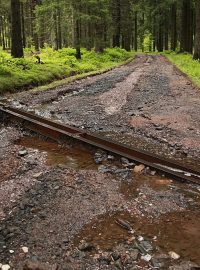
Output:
x=68 y=207
x=73 y=207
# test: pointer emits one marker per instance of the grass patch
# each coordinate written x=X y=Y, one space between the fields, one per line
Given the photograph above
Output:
x=186 y=64
x=19 y=74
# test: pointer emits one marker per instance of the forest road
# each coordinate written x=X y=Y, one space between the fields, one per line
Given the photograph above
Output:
x=147 y=103
x=62 y=207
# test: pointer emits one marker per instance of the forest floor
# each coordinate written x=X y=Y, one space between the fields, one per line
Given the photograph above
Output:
x=59 y=206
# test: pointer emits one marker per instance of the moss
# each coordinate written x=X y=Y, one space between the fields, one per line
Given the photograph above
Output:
x=18 y=74
x=187 y=65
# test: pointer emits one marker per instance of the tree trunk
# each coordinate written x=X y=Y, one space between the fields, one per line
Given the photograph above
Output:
x=17 y=45
x=136 y=33
x=174 y=26
x=116 y=17
x=186 y=27
x=23 y=26
x=197 y=32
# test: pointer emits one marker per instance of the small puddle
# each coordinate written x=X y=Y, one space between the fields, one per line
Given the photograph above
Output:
x=75 y=157
x=178 y=232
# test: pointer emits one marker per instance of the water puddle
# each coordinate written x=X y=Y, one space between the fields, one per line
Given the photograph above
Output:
x=75 y=157
x=178 y=232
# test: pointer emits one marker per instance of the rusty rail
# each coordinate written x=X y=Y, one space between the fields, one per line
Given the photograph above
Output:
x=60 y=132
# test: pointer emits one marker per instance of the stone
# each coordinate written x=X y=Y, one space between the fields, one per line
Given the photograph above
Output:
x=147 y=246
x=139 y=168
x=22 y=153
x=5 y=267
x=37 y=175
x=84 y=246
x=174 y=255
x=11 y=251
x=115 y=255
x=146 y=257
x=103 y=169
x=134 y=254
x=25 y=249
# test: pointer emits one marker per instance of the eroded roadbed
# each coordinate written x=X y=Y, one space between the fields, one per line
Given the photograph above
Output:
x=73 y=207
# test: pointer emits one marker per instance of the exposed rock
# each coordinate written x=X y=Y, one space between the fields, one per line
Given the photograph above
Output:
x=5 y=267
x=146 y=257
x=22 y=153
x=139 y=168
x=25 y=249
x=174 y=255
x=134 y=254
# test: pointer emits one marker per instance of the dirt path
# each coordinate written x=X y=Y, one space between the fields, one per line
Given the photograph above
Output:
x=148 y=104
x=61 y=206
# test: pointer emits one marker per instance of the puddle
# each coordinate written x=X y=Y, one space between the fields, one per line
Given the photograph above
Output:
x=179 y=232
x=76 y=157
x=173 y=230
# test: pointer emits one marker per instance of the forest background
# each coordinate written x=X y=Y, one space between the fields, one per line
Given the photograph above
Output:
x=43 y=40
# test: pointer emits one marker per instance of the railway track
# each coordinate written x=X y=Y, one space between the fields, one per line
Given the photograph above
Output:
x=60 y=133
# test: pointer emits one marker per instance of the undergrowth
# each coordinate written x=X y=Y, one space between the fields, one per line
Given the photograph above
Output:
x=19 y=74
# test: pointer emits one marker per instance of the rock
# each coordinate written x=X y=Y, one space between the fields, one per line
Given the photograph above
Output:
x=11 y=251
x=103 y=169
x=84 y=246
x=174 y=255
x=139 y=168
x=25 y=249
x=22 y=153
x=115 y=255
x=147 y=246
x=126 y=163
x=37 y=175
x=140 y=238
x=146 y=257
x=39 y=266
x=109 y=157
x=100 y=156
x=134 y=254
x=5 y=266
x=153 y=173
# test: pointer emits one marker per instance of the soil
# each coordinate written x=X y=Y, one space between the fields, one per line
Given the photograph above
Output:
x=72 y=207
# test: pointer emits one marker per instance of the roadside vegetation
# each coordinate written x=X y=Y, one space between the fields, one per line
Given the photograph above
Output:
x=19 y=73
x=187 y=64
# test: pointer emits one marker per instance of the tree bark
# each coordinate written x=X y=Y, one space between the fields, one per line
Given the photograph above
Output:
x=17 y=44
x=197 y=32
x=136 y=32
x=173 y=26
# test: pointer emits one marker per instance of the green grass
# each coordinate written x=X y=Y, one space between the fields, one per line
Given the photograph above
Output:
x=19 y=74
x=186 y=64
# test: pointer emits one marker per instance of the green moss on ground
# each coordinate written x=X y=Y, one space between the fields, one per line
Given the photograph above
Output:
x=19 y=74
x=187 y=65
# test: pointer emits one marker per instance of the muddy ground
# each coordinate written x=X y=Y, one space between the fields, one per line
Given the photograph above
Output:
x=74 y=207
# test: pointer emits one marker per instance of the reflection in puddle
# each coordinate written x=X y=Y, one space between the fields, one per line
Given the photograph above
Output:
x=76 y=157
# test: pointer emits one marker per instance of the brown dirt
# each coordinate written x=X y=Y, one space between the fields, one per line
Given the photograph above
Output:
x=56 y=196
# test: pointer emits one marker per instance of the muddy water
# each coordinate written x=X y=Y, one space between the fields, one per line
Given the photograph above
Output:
x=177 y=231
x=75 y=157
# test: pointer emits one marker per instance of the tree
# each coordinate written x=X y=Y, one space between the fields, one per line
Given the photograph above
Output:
x=197 y=32
x=16 y=34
